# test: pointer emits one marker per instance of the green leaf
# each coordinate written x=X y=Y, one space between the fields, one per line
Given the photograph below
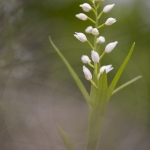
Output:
x=97 y=113
x=67 y=141
x=72 y=72
x=126 y=84
x=119 y=73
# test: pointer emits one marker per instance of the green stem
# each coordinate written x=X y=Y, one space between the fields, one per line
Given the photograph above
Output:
x=93 y=90
x=91 y=1
x=102 y=55
x=94 y=11
x=96 y=25
x=93 y=84
x=95 y=45
x=100 y=15
x=90 y=65
x=95 y=73
x=101 y=26
x=98 y=5
x=90 y=44
x=91 y=19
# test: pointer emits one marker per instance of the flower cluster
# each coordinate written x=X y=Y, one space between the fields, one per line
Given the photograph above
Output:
x=100 y=92
x=98 y=39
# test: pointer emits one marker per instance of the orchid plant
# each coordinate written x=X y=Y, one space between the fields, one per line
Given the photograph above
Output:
x=100 y=92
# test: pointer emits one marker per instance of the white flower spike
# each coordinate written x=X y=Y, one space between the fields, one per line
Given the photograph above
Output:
x=110 y=47
x=107 y=8
x=87 y=73
x=110 y=21
x=89 y=29
x=80 y=36
x=85 y=59
x=95 y=56
x=86 y=7
x=107 y=68
x=100 y=39
x=81 y=16
x=95 y=31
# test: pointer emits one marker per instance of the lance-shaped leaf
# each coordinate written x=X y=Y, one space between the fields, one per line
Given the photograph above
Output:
x=72 y=72
x=67 y=141
x=97 y=114
x=126 y=84
x=119 y=73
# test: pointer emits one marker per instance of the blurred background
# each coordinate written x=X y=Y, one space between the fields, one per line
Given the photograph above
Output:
x=37 y=91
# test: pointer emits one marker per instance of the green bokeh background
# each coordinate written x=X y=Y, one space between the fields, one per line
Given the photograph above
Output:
x=37 y=90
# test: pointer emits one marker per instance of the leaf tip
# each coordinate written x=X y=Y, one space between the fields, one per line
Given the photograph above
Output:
x=58 y=128
x=49 y=37
x=140 y=76
x=57 y=125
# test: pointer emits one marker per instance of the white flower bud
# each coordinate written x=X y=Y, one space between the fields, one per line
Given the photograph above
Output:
x=86 y=7
x=89 y=29
x=80 y=36
x=85 y=59
x=100 y=39
x=81 y=16
x=95 y=56
x=95 y=31
x=110 y=21
x=107 y=68
x=107 y=8
x=87 y=73
x=110 y=47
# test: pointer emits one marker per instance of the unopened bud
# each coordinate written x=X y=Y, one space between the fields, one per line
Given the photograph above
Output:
x=89 y=29
x=86 y=7
x=110 y=21
x=85 y=59
x=87 y=73
x=95 y=56
x=81 y=16
x=95 y=31
x=107 y=8
x=110 y=47
x=100 y=39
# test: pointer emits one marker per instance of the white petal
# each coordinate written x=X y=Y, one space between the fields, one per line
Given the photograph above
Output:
x=87 y=73
x=89 y=29
x=81 y=16
x=95 y=31
x=95 y=56
x=86 y=7
x=110 y=21
x=107 y=8
x=80 y=36
x=100 y=39
x=107 y=68
x=110 y=47
x=85 y=59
